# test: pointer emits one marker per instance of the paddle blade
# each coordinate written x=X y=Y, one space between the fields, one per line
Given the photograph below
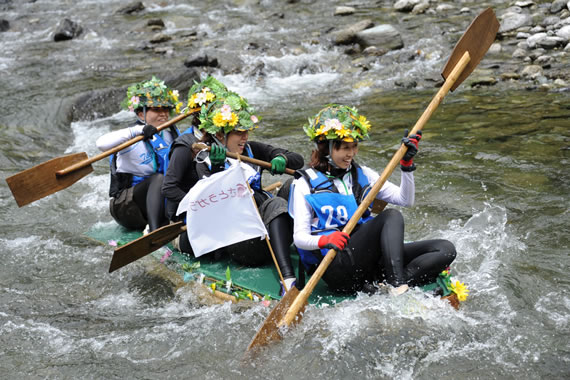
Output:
x=145 y=245
x=476 y=40
x=269 y=332
x=40 y=181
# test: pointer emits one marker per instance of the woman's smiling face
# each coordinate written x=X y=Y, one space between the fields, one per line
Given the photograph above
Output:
x=343 y=155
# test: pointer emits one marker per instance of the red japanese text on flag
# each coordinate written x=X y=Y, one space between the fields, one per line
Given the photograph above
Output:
x=220 y=211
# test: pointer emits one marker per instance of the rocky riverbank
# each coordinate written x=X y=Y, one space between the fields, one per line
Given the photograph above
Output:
x=387 y=44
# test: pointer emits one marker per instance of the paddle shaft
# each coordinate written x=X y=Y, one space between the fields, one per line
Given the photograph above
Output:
x=300 y=301
x=118 y=148
x=255 y=161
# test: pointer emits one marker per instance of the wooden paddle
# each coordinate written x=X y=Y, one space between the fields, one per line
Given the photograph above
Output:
x=147 y=244
x=466 y=55
x=61 y=172
x=377 y=205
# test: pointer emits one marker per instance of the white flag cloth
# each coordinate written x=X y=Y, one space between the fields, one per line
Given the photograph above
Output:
x=220 y=211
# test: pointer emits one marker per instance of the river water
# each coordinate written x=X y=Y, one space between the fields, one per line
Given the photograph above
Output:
x=491 y=178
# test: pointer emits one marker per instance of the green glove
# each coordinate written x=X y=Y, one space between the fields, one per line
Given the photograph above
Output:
x=217 y=155
x=278 y=165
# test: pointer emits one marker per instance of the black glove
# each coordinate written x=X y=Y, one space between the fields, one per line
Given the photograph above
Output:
x=148 y=131
x=407 y=162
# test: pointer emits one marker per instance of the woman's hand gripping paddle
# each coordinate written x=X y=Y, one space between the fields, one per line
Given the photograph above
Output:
x=465 y=57
x=61 y=172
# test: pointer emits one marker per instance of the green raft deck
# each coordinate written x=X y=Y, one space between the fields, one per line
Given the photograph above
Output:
x=246 y=283
x=257 y=283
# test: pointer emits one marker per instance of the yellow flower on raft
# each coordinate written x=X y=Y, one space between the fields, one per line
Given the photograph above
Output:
x=460 y=290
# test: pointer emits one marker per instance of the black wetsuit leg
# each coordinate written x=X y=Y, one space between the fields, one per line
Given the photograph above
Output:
x=185 y=244
x=147 y=195
x=426 y=259
x=375 y=249
x=281 y=237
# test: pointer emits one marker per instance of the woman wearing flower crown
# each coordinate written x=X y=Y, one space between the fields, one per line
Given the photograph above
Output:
x=181 y=174
x=328 y=193
x=226 y=119
x=137 y=171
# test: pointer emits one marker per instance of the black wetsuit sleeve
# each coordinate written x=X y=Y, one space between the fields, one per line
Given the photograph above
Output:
x=266 y=152
x=202 y=170
x=180 y=175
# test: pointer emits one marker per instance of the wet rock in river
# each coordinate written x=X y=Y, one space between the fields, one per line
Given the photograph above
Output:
x=344 y=11
x=131 y=8
x=374 y=51
x=67 y=30
x=544 y=61
x=495 y=48
x=420 y=8
x=524 y=3
x=155 y=24
x=519 y=53
x=557 y=6
x=160 y=38
x=550 y=20
x=405 y=5
x=483 y=81
x=201 y=61
x=444 y=7
x=551 y=42
x=564 y=32
x=533 y=40
x=381 y=36
x=4 y=25
x=510 y=76
x=514 y=19
x=348 y=35
x=406 y=83
x=532 y=71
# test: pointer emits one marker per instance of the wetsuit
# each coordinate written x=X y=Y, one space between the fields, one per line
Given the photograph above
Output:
x=180 y=176
x=321 y=204
x=273 y=210
x=136 y=176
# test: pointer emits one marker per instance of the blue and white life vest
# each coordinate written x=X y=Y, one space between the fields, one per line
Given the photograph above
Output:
x=160 y=158
x=332 y=209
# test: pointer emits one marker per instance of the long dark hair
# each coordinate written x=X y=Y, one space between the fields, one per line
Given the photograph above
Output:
x=319 y=156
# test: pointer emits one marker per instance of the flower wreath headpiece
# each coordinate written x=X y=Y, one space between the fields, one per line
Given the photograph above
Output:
x=221 y=109
x=152 y=93
x=337 y=122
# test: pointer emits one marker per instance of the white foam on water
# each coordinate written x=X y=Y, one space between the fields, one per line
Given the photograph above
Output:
x=556 y=307
x=170 y=8
x=52 y=339
x=97 y=198
x=85 y=133
x=273 y=89
x=117 y=302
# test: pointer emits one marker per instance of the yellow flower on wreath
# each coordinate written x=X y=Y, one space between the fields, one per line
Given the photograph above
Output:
x=218 y=120
x=364 y=122
x=344 y=132
x=200 y=98
x=233 y=122
x=460 y=290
